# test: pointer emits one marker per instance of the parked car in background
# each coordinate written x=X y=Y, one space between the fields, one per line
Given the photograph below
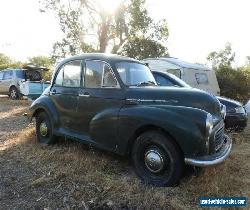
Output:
x=113 y=102
x=196 y=75
x=247 y=107
x=236 y=116
x=22 y=82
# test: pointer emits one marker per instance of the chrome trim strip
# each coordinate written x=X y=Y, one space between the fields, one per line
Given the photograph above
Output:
x=152 y=100
x=214 y=158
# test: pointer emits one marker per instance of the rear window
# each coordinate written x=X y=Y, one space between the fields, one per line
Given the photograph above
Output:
x=33 y=75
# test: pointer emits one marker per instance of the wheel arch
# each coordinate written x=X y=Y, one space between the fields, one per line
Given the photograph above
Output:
x=46 y=105
x=151 y=127
x=11 y=86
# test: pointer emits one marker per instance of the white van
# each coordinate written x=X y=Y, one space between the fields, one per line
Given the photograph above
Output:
x=196 y=75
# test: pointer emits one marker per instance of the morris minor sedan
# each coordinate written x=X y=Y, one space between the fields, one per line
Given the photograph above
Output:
x=114 y=103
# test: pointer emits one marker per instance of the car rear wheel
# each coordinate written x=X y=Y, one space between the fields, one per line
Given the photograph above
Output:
x=157 y=159
x=14 y=93
x=44 y=129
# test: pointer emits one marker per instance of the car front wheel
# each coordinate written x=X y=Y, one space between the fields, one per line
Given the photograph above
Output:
x=44 y=130
x=157 y=159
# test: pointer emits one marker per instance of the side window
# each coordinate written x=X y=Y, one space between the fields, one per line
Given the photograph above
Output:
x=7 y=75
x=108 y=78
x=20 y=74
x=98 y=74
x=72 y=74
x=93 y=74
x=59 y=78
x=69 y=75
x=201 y=78
x=163 y=81
x=1 y=75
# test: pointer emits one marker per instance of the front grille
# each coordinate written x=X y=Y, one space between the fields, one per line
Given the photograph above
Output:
x=219 y=138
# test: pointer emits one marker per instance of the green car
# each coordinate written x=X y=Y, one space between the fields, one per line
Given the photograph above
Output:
x=114 y=103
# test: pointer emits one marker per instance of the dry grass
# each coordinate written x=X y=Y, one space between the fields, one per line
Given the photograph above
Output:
x=69 y=175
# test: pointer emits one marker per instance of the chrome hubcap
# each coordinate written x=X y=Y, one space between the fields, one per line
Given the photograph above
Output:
x=154 y=161
x=43 y=129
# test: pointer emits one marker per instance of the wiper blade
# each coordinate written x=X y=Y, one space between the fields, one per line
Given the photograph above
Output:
x=145 y=83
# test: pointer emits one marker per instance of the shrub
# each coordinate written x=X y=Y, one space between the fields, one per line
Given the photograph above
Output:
x=234 y=83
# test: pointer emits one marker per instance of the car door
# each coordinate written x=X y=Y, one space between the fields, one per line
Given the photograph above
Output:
x=100 y=100
x=7 y=81
x=64 y=93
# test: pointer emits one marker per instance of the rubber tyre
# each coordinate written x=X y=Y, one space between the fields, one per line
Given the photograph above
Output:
x=14 y=93
x=173 y=159
x=43 y=117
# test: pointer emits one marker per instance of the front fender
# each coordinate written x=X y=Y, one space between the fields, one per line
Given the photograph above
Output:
x=185 y=124
x=46 y=104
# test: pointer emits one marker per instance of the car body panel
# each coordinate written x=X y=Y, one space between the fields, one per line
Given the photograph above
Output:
x=111 y=118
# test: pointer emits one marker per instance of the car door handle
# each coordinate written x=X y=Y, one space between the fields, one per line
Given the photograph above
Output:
x=85 y=94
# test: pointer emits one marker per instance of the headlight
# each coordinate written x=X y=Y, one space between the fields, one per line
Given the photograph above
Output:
x=223 y=111
x=240 y=110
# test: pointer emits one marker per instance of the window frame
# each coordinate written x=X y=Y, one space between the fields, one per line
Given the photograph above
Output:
x=101 y=87
x=61 y=67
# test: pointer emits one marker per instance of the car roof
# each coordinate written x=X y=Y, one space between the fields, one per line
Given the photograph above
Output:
x=181 y=63
x=110 y=58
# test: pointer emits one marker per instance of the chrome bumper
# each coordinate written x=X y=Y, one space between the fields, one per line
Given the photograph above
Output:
x=213 y=159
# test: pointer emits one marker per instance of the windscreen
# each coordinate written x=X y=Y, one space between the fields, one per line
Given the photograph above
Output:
x=135 y=74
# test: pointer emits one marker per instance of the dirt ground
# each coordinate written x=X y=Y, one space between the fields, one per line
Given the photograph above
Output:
x=69 y=175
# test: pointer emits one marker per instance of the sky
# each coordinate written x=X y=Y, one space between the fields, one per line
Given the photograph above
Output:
x=196 y=27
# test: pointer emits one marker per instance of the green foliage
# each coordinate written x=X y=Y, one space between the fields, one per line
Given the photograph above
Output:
x=7 y=62
x=141 y=48
x=223 y=58
x=234 y=83
x=88 y=27
x=146 y=37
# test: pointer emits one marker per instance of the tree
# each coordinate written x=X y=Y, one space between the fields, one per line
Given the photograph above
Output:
x=222 y=58
x=7 y=62
x=234 y=82
x=141 y=48
x=43 y=61
x=88 y=27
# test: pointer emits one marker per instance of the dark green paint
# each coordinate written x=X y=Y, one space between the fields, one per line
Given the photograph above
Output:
x=111 y=118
